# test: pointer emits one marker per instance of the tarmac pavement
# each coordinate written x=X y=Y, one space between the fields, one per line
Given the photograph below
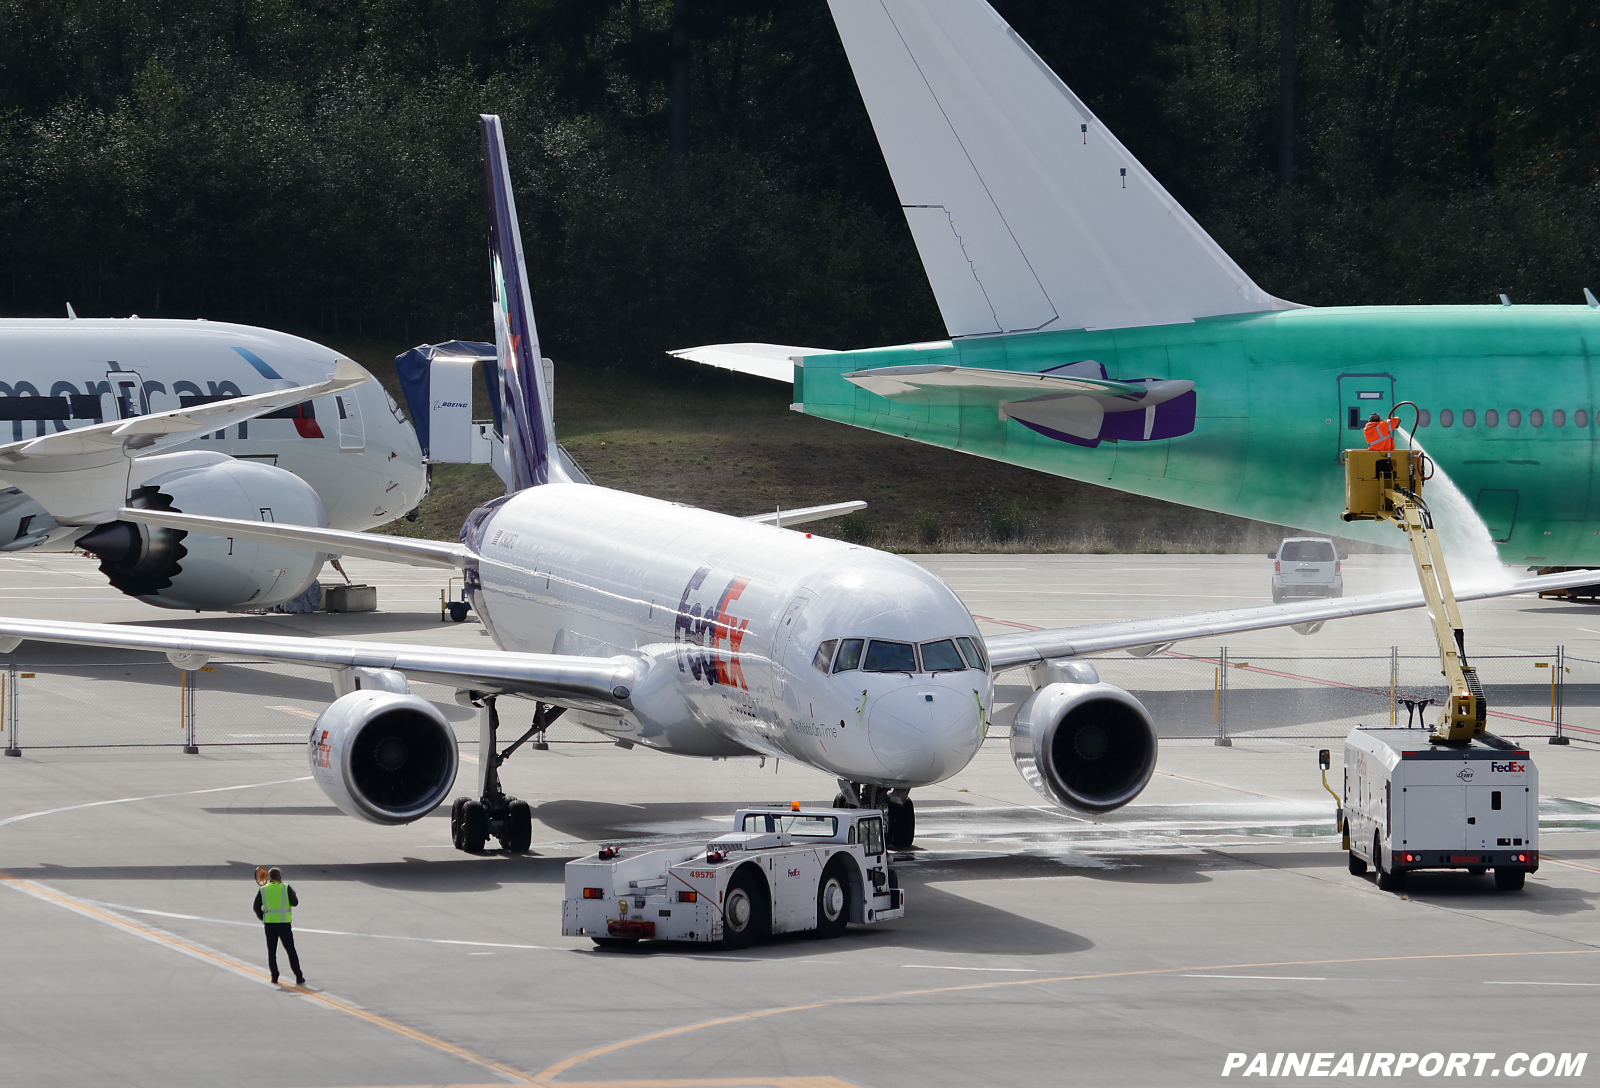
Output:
x=1213 y=916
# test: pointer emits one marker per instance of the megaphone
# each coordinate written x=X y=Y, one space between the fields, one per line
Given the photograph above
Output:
x=261 y=876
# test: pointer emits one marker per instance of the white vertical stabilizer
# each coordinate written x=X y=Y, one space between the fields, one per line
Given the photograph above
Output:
x=1027 y=211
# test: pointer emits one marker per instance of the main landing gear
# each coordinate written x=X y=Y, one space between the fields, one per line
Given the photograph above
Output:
x=494 y=814
x=899 y=814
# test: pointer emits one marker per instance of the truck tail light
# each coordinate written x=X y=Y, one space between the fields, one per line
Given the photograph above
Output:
x=1337 y=566
x=688 y=897
x=594 y=893
x=1277 y=567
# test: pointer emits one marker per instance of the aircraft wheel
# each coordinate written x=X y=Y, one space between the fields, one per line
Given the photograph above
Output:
x=458 y=611
x=1508 y=879
x=455 y=822
x=474 y=827
x=743 y=910
x=518 y=834
x=833 y=900
x=902 y=829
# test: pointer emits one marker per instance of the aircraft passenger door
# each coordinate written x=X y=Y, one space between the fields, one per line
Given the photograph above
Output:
x=1497 y=506
x=125 y=390
x=784 y=649
x=1359 y=396
x=352 y=436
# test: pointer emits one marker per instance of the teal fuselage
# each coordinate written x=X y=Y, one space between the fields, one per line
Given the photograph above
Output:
x=1274 y=394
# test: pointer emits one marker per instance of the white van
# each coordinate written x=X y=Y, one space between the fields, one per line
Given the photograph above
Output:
x=1409 y=804
x=1306 y=566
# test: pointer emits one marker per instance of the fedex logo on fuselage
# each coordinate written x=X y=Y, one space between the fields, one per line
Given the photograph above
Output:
x=709 y=636
x=1509 y=765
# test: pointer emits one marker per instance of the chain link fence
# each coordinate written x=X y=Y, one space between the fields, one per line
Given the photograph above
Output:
x=1197 y=696
x=146 y=702
x=106 y=701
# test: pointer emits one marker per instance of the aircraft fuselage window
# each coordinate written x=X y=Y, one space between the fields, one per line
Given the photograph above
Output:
x=884 y=656
x=941 y=656
x=824 y=656
x=849 y=655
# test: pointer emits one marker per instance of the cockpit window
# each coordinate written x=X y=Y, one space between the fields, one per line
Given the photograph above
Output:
x=849 y=655
x=941 y=656
x=889 y=657
x=824 y=656
x=970 y=651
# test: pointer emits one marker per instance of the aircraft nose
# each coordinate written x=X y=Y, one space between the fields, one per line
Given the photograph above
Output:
x=925 y=732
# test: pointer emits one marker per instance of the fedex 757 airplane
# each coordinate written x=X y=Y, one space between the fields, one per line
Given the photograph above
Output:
x=693 y=633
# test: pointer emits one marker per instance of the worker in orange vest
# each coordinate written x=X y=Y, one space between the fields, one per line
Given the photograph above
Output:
x=1380 y=432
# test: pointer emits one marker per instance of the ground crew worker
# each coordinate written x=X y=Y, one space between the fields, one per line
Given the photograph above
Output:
x=272 y=907
x=1380 y=432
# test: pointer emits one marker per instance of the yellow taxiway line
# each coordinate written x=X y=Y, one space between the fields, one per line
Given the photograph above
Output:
x=238 y=967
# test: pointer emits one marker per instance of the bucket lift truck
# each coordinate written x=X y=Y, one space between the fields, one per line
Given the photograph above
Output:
x=1466 y=799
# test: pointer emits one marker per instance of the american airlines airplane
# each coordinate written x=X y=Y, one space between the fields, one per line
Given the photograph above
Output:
x=344 y=457
x=693 y=633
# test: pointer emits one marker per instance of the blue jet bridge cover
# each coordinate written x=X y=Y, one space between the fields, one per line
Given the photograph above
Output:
x=415 y=366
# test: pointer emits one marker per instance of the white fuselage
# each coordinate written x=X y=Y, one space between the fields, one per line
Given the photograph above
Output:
x=366 y=465
x=728 y=616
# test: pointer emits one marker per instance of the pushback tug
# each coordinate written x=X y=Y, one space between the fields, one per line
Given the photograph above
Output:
x=778 y=870
x=1464 y=799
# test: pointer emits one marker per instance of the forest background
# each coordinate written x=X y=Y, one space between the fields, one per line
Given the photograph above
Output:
x=701 y=171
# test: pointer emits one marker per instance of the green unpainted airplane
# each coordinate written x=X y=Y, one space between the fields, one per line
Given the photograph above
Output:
x=1098 y=332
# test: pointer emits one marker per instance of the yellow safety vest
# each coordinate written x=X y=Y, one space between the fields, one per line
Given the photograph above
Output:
x=274 y=903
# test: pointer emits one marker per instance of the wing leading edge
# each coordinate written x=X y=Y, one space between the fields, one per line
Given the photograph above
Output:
x=1012 y=651
x=602 y=684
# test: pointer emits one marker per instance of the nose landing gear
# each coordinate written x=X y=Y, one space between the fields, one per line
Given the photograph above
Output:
x=899 y=814
x=473 y=822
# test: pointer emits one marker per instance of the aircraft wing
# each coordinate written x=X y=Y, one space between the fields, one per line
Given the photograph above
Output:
x=775 y=361
x=603 y=684
x=1026 y=648
x=802 y=514
x=81 y=475
x=393 y=549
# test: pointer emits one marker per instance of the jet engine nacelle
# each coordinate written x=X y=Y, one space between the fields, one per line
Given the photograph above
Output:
x=176 y=569
x=383 y=757
x=1090 y=747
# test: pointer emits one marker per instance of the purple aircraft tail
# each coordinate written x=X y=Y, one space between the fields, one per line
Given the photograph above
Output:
x=528 y=426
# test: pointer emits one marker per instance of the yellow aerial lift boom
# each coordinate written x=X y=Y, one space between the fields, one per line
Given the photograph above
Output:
x=1386 y=485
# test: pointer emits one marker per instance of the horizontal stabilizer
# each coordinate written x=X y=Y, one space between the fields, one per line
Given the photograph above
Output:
x=392 y=549
x=586 y=683
x=928 y=382
x=81 y=475
x=775 y=361
x=1027 y=212
x=799 y=516
x=1011 y=651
